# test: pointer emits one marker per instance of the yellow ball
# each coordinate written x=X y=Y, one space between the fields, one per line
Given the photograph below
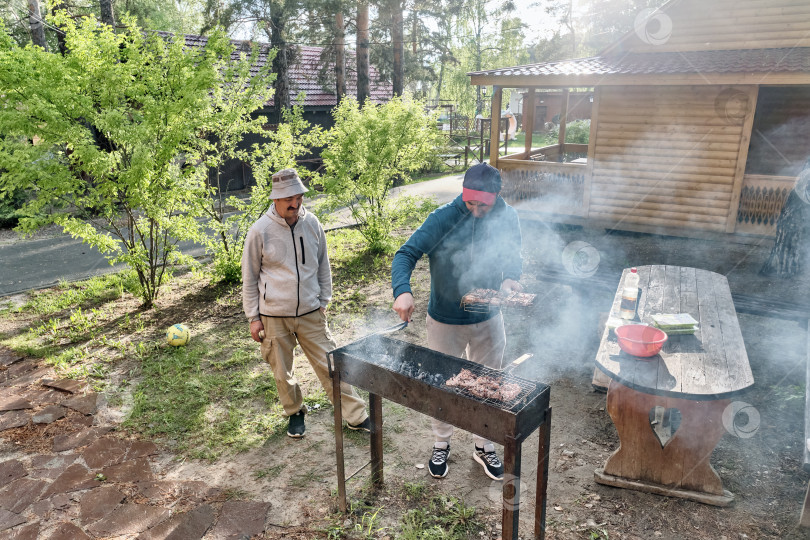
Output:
x=177 y=335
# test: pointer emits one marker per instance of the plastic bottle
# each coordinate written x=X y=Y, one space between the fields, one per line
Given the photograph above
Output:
x=629 y=295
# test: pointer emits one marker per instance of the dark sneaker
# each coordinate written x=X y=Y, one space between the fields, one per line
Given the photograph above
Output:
x=488 y=459
x=438 y=461
x=364 y=426
x=297 y=428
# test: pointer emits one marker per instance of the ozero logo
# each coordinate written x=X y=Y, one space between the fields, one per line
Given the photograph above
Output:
x=730 y=105
x=518 y=492
x=741 y=419
x=653 y=28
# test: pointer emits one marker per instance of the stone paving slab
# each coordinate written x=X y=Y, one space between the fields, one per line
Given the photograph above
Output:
x=20 y=368
x=241 y=518
x=97 y=503
x=18 y=495
x=169 y=490
x=10 y=519
x=129 y=518
x=74 y=478
x=11 y=470
x=49 y=466
x=25 y=379
x=13 y=419
x=86 y=404
x=191 y=525
x=41 y=396
x=48 y=415
x=83 y=437
x=141 y=448
x=14 y=403
x=104 y=452
x=26 y=532
x=136 y=470
x=8 y=357
x=66 y=385
x=68 y=531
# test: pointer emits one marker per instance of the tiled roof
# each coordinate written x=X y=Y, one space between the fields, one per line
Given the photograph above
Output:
x=304 y=72
x=795 y=60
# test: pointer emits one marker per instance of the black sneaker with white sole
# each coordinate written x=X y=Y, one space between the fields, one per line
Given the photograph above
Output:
x=488 y=459
x=438 y=461
x=297 y=428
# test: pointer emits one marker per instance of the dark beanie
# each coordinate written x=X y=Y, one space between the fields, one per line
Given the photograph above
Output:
x=483 y=177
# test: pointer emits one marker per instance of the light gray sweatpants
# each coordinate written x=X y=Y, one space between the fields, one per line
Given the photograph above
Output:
x=482 y=343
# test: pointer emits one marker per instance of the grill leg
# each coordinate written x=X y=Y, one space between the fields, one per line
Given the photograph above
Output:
x=542 y=477
x=375 y=409
x=341 y=466
x=511 y=489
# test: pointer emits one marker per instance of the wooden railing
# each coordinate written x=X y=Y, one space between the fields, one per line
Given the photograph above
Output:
x=544 y=186
x=761 y=201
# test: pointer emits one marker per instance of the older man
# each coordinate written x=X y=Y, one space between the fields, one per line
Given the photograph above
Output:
x=473 y=242
x=286 y=286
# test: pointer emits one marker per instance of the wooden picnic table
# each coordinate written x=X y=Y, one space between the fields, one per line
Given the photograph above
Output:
x=669 y=409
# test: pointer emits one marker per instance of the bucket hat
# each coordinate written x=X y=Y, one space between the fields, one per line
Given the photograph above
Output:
x=286 y=183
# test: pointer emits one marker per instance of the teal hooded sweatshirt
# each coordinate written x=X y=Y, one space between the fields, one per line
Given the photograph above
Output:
x=465 y=253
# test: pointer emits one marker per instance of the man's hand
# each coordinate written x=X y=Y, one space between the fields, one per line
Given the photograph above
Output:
x=510 y=286
x=255 y=328
x=403 y=305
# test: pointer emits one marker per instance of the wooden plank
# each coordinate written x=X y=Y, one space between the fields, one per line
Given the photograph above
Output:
x=662 y=130
x=592 y=142
x=625 y=145
x=726 y=499
x=694 y=374
x=641 y=203
x=622 y=220
x=663 y=139
x=495 y=126
x=739 y=171
x=663 y=213
x=695 y=182
x=528 y=119
x=613 y=192
x=739 y=369
x=708 y=121
x=563 y=120
x=711 y=340
x=673 y=161
x=693 y=151
x=667 y=168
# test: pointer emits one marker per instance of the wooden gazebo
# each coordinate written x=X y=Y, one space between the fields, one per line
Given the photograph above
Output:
x=700 y=123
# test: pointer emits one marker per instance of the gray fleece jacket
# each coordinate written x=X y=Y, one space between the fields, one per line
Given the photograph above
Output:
x=285 y=270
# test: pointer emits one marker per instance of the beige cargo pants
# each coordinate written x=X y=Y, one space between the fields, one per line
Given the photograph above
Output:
x=482 y=343
x=312 y=333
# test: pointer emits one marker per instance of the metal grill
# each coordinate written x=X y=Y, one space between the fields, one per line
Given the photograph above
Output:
x=415 y=377
x=489 y=300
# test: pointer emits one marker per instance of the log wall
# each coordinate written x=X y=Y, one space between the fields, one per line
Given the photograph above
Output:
x=667 y=157
x=723 y=24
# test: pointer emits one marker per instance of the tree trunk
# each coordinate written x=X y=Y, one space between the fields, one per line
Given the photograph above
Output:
x=107 y=16
x=363 y=89
x=37 y=28
x=281 y=63
x=340 y=56
x=59 y=5
x=790 y=248
x=397 y=36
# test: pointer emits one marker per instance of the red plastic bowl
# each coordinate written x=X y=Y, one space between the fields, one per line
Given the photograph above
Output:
x=640 y=339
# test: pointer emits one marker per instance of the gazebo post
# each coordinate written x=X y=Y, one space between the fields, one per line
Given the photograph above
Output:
x=528 y=120
x=563 y=121
x=495 y=126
